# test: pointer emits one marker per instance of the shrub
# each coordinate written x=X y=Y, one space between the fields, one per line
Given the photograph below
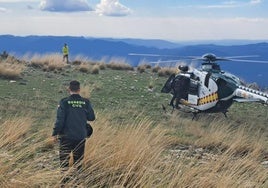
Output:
x=95 y=69
x=85 y=68
x=77 y=62
x=141 y=68
x=167 y=71
x=102 y=66
x=147 y=66
x=119 y=66
x=156 y=69
x=52 y=66
x=11 y=71
x=47 y=62
x=117 y=63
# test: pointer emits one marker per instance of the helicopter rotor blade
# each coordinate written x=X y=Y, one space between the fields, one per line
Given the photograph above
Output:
x=243 y=56
x=249 y=61
x=231 y=58
x=206 y=57
x=167 y=61
x=152 y=55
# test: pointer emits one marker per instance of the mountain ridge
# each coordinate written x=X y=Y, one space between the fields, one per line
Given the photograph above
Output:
x=97 y=48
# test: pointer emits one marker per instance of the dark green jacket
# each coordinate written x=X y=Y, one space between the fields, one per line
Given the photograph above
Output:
x=72 y=116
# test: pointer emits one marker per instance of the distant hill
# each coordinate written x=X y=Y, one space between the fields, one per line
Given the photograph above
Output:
x=97 y=48
x=161 y=44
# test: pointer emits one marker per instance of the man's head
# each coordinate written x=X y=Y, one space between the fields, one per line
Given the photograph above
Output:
x=74 y=86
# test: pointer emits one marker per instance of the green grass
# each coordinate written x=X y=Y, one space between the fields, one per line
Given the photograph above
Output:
x=111 y=91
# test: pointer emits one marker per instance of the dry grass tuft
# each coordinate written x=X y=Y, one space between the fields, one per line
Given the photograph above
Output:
x=86 y=91
x=102 y=66
x=167 y=71
x=22 y=162
x=229 y=156
x=123 y=155
x=11 y=71
x=95 y=69
x=48 y=62
x=119 y=66
x=156 y=69
x=135 y=154
x=79 y=59
x=84 y=67
x=141 y=68
x=13 y=129
x=11 y=68
x=77 y=62
x=89 y=68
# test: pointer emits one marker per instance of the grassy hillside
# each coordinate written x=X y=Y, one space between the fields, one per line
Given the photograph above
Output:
x=135 y=144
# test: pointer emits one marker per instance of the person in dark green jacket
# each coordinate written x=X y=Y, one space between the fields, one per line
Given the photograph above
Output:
x=71 y=125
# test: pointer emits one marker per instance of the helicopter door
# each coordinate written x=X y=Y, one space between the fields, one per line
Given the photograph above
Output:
x=208 y=92
x=193 y=92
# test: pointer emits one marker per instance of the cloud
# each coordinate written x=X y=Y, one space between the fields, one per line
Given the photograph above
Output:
x=30 y=7
x=16 y=1
x=168 y=28
x=64 y=5
x=112 y=8
x=229 y=4
x=255 y=2
x=3 y=9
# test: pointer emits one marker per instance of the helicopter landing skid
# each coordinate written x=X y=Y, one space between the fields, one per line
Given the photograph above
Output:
x=187 y=109
x=225 y=113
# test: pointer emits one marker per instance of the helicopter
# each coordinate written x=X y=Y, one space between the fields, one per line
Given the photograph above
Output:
x=209 y=89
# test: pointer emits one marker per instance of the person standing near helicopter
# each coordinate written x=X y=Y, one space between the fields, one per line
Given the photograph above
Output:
x=65 y=52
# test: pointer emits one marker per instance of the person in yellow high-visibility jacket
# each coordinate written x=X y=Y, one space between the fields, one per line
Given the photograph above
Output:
x=65 y=52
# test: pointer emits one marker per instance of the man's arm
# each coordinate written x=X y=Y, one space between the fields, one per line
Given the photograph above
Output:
x=90 y=113
x=59 y=124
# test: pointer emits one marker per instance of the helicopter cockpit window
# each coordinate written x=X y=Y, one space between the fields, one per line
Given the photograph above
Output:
x=206 y=67
x=210 y=66
x=216 y=67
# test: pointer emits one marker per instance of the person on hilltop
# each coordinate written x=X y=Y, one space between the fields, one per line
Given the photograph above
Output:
x=65 y=52
x=71 y=128
x=4 y=55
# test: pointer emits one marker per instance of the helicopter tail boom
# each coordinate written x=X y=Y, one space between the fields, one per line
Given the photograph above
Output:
x=250 y=95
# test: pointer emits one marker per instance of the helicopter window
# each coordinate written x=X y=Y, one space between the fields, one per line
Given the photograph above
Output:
x=211 y=66
x=216 y=67
x=220 y=82
x=207 y=79
x=193 y=76
x=207 y=67
x=193 y=89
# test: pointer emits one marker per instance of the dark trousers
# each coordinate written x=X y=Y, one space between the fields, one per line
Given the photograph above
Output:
x=66 y=147
x=66 y=58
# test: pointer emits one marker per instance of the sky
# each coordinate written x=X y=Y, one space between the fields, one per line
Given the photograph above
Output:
x=174 y=20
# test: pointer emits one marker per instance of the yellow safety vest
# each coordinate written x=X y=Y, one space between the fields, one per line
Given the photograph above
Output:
x=65 y=50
